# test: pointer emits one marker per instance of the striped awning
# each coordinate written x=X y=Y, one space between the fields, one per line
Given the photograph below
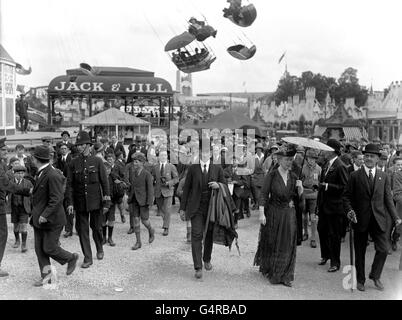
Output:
x=319 y=131
x=352 y=133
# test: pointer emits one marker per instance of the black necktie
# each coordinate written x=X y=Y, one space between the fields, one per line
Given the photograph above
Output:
x=163 y=170
x=371 y=179
x=205 y=169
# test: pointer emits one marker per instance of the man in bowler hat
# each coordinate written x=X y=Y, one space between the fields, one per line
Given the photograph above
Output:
x=201 y=179
x=88 y=193
x=48 y=217
x=369 y=205
x=334 y=178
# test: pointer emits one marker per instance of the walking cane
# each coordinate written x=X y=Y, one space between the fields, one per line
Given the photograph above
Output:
x=351 y=252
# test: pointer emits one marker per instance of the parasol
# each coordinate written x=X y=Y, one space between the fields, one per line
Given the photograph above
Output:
x=307 y=143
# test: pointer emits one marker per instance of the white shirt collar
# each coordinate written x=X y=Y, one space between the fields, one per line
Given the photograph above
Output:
x=372 y=170
x=202 y=164
x=40 y=170
x=164 y=163
x=259 y=158
x=355 y=167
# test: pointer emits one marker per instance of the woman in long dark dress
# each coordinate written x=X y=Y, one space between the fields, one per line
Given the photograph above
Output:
x=276 y=253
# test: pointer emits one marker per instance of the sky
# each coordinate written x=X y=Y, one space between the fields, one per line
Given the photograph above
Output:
x=323 y=36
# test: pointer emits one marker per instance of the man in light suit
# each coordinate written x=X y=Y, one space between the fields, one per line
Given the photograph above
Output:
x=165 y=177
x=368 y=203
x=48 y=217
x=201 y=178
x=334 y=178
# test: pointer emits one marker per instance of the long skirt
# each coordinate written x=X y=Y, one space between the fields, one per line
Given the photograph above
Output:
x=276 y=252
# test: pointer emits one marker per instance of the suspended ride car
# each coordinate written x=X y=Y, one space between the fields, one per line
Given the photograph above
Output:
x=189 y=61
x=20 y=70
x=200 y=30
x=241 y=52
x=242 y=16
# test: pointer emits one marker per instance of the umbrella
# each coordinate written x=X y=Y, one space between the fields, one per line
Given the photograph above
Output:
x=179 y=41
x=308 y=144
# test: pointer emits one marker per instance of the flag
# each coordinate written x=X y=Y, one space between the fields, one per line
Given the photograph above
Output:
x=280 y=59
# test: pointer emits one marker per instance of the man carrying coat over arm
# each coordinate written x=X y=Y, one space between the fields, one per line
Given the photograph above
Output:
x=367 y=202
x=88 y=193
x=201 y=179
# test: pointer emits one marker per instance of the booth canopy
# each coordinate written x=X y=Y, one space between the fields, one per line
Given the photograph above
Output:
x=100 y=85
x=227 y=120
x=114 y=117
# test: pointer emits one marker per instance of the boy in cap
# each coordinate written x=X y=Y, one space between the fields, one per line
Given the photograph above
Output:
x=20 y=209
x=140 y=197
x=311 y=174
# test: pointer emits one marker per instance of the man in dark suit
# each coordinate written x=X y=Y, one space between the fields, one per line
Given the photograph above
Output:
x=140 y=197
x=357 y=161
x=368 y=203
x=117 y=146
x=48 y=217
x=118 y=169
x=88 y=193
x=334 y=178
x=62 y=163
x=65 y=136
x=201 y=178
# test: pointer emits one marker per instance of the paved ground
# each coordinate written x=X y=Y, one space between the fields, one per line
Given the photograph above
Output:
x=163 y=270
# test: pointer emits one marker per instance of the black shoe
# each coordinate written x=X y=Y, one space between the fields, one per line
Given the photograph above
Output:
x=287 y=284
x=165 y=231
x=360 y=286
x=323 y=261
x=198 y=274
x=136 y=246
x=86 y=265
x=104 y=241
x=377 y=283
x=39 y=283
x=16 y=244
x=305 y=237
x=130 y=231
x=111 y=243
x=313 y=244
x=72 y=264
x=333 y=269
x=99 y=255
x=208 y=266
x=394 y=246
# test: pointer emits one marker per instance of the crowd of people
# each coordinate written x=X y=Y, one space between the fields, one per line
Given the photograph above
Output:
x=296 y=192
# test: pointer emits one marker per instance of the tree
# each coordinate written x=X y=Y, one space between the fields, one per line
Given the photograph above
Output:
x=348 y=87
x=288 y=86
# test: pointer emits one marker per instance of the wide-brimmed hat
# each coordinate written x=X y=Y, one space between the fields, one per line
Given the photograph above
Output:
x=287 y=151
x=13 y=159
x=83 y=138
x=19 y=169
x=139 y=156
x=99 y=147
x=65 y=132
x=42 y=153
x=372 y=148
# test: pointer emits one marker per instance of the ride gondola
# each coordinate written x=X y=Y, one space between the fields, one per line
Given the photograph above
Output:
x=200 y=30
x=189 y=61
x=242 y=16
x=242 y=52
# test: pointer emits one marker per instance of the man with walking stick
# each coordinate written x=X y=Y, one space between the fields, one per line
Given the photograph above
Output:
x=367 y=201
